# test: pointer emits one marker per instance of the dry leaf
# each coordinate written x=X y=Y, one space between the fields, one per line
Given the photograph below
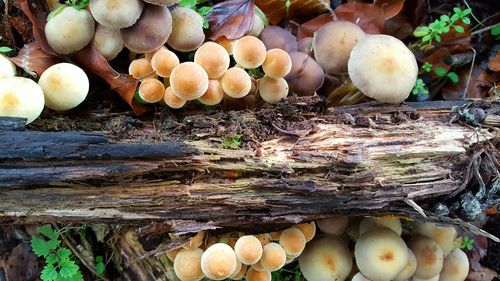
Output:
x=38 y=20
x=391 y=7
x=275 y=10
x=494 y=63
x=34 y=60
x=308 y=29
x=231 y=19
x=479 y=85
x=368 y=17
x=21 y=264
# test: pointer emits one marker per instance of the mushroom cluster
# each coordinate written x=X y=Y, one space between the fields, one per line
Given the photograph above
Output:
x=383 y=251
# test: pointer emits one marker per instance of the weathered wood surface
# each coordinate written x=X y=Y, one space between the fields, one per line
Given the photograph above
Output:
x=373 y=165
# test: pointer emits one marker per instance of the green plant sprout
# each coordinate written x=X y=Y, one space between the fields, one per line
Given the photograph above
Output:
x=4 y=49
x=231 y=142
x=421 y=88
x=99 y=265
x=495 y=31
x=467 y=243
x=77 y=4
x=203 y=11
x=59 y=266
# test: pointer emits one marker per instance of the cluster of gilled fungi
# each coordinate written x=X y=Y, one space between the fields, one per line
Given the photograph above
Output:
x=383 y=250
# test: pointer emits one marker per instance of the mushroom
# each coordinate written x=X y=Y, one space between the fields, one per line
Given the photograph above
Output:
x=368 y=222
x=305 y=46
x=264 y=238
x=7 y=68
x=257 y=27
x=166 y=3
x=214 y=93
x=150 y=32
x=249 y=52
x=108 y=41
x=409 y=269
x=333 y=43
x=276 y=37
x=171 y=254
x=444 y=236
x=433 y=278
x=277 y=64
x=248 y=249
x=273 y=257
x=164 y=61
x=141 y=68
x=195 y=241
x=306 y=75
x=275 y=235
x=293 y=241
x=359 y=277
x=172 y=100
x=189 y=81
x=227 y=44
x=116 y=13
x=254 y=275
x=308 y=229
x=455 y=266
x=64 y=86
x=240 y=274
x=236 y=82
x=187 y=264
x=213 y=58
x=218 y=261
x=69 y=30
x=187 y=30
x=21 y=97
x=326 y=257
x=151 y=90
x=333 y=225
x=258 y=266
x=429 y=256
x=272 y=90
x=380 y=254
x=383 y=68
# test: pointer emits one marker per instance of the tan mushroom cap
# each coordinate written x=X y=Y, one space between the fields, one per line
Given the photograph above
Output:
x=236 y=82
x=240 y=274
x=172 y=100
x=21 y=97
x=189 y=81
x=326 y=257
x=227 y=44
x=264 y=238
x=455 y=266
x=277 y=37
x=108 y=41
x=140 y=68
x=164 y=61
x=334 y=225
x=187 y=265
x=249 y=52
x=116 y=13
x=273 y=90
x=308 y=229
x=214 y=93
x=187 y=30
x=275 y=235
x=213 y=58
x=444 y=236
x=429 y=256
x=293 y=241
x=218 y=261
x=306 y=75
x=273 y=257
x=258 y=266
x=195 y=241
x=64 y=85
x=333 y=43
x=150 y=32
x=383 y=68
x=277 y=64
x=359 y=277
x=151 y=90
x=171 y=254
x=7 y=68
x=254 y=275
x=380 y=254
x=409 y=269
x=369 y=222
x=248 y=249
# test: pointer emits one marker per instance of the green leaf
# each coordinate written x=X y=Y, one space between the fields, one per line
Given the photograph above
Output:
x=438 y=38
x=426 y=67
x=187 y=3
x=51 y=258
x=444 y=18
x=495 y=30
x=454 y=18
x=52 y=244
x=440 y=71
x=63 y=253
x=204 y=11
x=68 y=268
x=453 y=77
x=457 y=10
x=459 y=28
x=446 y=29
x=49 y=232
x=421 y=31
x=466 y=12
x=426 y=38
x=99 y=259
x=5 y=50
x=49 y=273
x=55 y=12
x=99 y=268
x=75 y=277
x=466 y=21
x=205 y=24
x=39 y=246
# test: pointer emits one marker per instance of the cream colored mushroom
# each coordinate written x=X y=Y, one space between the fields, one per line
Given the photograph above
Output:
x=293 y=241
x=273 y=90
x=7 y=68
x=248 y=249
x=236 y=82
x=333 y=225
x=213 y=58
x=444 y=236
x=21 y=97
x=116 y=13
x=409 y=269
x=308 y=229
x=189 y=81
x=187 y=265
x=108 y=41
x=368 y=222
x=359 y=277
x=273 y=257
x=254 y=275
x=218 y=261
x=249 y=52
x=187 y=30
x=429 y=256
x=455 y=266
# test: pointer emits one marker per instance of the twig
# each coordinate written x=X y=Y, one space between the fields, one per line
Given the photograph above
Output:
x=470 y=71
x=415 y=206
x=472 y=14
x=484 y=29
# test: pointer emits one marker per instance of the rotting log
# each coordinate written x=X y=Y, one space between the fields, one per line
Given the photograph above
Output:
x=353 y=160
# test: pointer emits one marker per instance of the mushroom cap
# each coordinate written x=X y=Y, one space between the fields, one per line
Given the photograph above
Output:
x=70 y=30
x=326 y=257
x=227 y=44
x=273 y=256
x=213 y=58
x=195 y=241
x=172 y=100
x=383 y=68
x=293 y=241
x=277 y=64
x=166 y=3
x=444 y=236
x=369 y=222
x=380 y=254
x=333 y=225
x=116 y=13
x=359 y=277
x=151 y=90
x=218 y=261
x=64 y=86
x=151 y=30
x=257 y=27
x=433 y=278
x=333 y=43
x=455 y=266
x=164 y=61
x=308 y=229
x=248 y=249
x=273 y=90
x=236 y=82
x=214 y=93
x=264 y=238
x=409 y=269
x=429 y=256
x=21 y=97
x=276 y=37
x=187 y=264
x=189 y=81
x=254 y=275
x=187 y=30
x=108 y=41
x=249 y=52
x=171 y=254
x=140 y=68
x=306 y=75
x=275 y=235
x=258 y=266
x=240 y=274
x=305 y=46
x=7 y=68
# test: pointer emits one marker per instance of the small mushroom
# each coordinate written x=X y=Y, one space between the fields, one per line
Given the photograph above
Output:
x=368 y=223
x=64 y=86
x=69 y=30
x=213 y=58
x=236 y=82
x=276 y=37
x=249 y=52
x=218 y=261
x=248 y=249
x=187 y=30
x=166 y=3
x=187 y=265
x=254 y=275
x=444 y=236
x=164 y=61
x=359 y=277
x=409 y=269
x=333 y=43
x=7 y=68
x=116 y=13
x=150 y=32
x=171 y=254
x=383 y=68
x=189 y=81
x=305 y=46
x=264 y=238
x=429 y=256
x=277 y=64
x=273 y=257
x=293 y=241
x=273 y=90
x=214 y=93
x=333 y=225
x=275 y=235
x=108 y=41
x=240 y=274
x=306 y=75
x=258 y=266
x=21 y=97
x=141 y=68
x=455 y=266
x=195 y=241
x=172 y=100
x=227 y=44
x=151 y=90
x=433 y=278
x=308 y=229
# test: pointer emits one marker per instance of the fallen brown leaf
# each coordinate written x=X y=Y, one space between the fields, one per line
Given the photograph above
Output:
x=494 y=63
x=231 y=19
x=34 y=60
x=368 y=17
x=391 y=7
x=275 y=10
x=308 y=28
x=38 y=19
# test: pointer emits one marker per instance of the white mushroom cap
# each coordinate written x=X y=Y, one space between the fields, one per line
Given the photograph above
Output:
x=433 y=278
x=455 y=266
x=7 y=68
x=116 y=13
x=380 y=254
x=359 y=277
x=444 y=236
x=218 y=261
x=240 y=274
x=64 y=85
x=20 y=97
x=187 y=30
x=409 y=269
x=108 y=41
x=248 y=249
x=326 y=257
x=187 y=265
x=429 y=256
x=383 y=68
x=334 y=225
x=368 y=222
